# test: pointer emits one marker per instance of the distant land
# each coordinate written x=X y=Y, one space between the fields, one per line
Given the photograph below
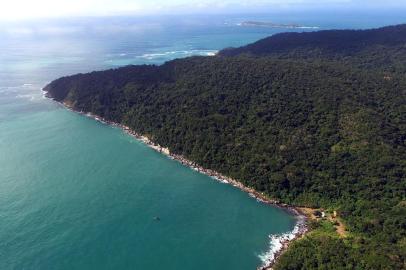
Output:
x=315 y=120
x=274 y=25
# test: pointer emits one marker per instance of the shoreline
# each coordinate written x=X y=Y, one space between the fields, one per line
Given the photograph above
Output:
x=281 y=241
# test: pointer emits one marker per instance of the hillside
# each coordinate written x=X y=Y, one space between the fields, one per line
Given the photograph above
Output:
x=309 y=129
x=327 y=42
x=384 y=47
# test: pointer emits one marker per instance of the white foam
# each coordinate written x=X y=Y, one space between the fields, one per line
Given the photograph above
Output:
x=307 y=27
x=27 y=96
x=183 y=53
x=43 y=93
x=276 y=242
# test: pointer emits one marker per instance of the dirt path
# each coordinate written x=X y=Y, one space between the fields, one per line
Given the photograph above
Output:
x=340 y=227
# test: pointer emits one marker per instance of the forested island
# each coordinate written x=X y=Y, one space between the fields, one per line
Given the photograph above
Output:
x=310 y=119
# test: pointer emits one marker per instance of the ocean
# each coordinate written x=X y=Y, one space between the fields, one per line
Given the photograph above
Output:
x=78 y=194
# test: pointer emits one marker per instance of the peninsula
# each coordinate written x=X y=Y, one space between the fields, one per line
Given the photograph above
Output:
x=313 y=120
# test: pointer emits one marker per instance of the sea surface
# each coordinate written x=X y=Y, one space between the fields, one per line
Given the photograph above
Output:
x=78 y=194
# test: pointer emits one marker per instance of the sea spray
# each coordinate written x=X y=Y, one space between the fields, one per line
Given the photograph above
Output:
x=278 y=243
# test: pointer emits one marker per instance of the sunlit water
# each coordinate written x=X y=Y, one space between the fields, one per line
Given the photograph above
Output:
x=77 y=194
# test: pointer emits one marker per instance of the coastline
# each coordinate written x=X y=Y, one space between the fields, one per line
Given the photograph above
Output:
x=278 y=243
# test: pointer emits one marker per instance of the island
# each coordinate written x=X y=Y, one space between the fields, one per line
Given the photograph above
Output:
x=313 y=121
x=274 y=25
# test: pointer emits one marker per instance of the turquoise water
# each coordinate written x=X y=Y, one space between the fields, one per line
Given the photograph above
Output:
x=77 y=194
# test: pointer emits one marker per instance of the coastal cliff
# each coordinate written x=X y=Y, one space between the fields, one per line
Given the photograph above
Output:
x=302 y=118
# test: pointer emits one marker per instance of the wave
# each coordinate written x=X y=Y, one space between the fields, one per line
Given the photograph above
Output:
x=279 y=242
x=123 y=59
x=15 y=88
x=184 y=53
x=31 y=95
x=212 y=53
x=308 y=27
x=27 y=96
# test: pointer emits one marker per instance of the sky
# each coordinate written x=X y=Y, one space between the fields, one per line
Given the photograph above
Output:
x=27 y=9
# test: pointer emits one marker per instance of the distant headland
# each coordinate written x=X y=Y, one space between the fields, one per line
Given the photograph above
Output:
x=275 y=25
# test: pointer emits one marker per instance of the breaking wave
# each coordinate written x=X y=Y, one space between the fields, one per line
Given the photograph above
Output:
x=278 y=242
x=185 y=53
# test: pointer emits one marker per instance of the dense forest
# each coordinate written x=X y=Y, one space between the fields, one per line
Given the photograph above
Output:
x=312 y=119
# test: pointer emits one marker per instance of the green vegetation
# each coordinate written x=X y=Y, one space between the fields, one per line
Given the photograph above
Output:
x=320 y=125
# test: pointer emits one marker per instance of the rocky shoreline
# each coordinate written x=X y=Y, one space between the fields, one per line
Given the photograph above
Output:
x=301 y=227
x=280 y=243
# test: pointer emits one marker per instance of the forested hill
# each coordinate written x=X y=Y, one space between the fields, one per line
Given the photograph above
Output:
x=312 y=131
x=331 y=43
